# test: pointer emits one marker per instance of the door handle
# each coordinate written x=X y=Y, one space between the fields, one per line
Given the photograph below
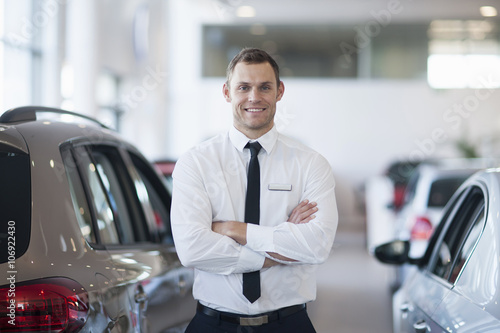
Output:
x=405 y=308
x=421 y=326
x=141 y=297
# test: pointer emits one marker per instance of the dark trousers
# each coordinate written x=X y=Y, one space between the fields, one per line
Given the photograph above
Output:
x=298 y=322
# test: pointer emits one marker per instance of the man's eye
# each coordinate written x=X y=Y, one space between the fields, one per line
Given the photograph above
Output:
x=266 y=88
x=243 y=88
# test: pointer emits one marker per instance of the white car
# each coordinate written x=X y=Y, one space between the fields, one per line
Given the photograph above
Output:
x=456 y=285
x=429 y=189
x=85 y=239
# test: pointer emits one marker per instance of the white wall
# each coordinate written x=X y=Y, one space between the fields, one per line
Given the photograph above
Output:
x=360 y=126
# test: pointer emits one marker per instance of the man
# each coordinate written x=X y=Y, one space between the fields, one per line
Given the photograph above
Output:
x=255 y=276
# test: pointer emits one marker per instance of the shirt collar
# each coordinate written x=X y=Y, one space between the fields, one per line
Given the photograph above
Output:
x=267 y=141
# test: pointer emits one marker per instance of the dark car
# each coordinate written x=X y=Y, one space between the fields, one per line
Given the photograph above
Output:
x=85 y=239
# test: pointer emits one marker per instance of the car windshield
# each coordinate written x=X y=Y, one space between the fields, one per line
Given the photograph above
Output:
x=15 y=203
x=442 y=190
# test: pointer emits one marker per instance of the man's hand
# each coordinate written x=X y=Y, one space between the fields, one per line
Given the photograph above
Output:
x=303 y=213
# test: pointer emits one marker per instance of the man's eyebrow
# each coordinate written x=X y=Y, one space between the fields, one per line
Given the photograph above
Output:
x=259 y=83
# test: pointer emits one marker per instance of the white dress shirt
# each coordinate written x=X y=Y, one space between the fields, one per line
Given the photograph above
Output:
x=210 y=185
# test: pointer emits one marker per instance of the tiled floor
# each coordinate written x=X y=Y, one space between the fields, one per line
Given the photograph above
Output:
x=353 y=293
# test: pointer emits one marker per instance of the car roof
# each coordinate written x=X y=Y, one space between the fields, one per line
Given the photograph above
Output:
x=54 y=125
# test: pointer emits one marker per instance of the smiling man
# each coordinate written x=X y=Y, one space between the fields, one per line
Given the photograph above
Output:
x=254 y=212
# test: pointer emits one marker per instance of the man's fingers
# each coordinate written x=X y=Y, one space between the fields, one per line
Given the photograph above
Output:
x=303 y=213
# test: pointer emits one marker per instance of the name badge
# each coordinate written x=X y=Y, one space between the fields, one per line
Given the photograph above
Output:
x=279 y=187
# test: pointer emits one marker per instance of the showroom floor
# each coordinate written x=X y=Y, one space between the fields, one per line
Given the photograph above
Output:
x=353 y=292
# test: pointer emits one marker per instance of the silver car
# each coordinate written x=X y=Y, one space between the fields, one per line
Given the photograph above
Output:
x=85 y=239
x=429 y=189
x=456 y=287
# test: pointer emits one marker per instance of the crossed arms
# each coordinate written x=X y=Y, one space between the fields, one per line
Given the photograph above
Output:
x=303 y=213
x=202 y=200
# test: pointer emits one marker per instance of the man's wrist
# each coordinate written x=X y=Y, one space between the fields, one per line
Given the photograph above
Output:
x=232 y=229
x=237 y=231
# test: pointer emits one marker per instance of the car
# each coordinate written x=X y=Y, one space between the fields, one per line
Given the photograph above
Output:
x=430 y=187
x=456 y=285
x=85 y=238
x=384 y=195
x=400 y=172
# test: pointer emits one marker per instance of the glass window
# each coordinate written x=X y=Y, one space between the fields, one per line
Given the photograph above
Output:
x=301 y=51
x=462 y=226
x=106 y=204
x=115 y=195
x=80 y=205
x=22 y=26
x=469 y=244
x=15 y=200
x=155 y=200
x=442 y=190
x=463 y=54
x=105 y=219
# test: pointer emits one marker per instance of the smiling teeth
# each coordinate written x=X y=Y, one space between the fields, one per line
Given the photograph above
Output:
x=255 y=110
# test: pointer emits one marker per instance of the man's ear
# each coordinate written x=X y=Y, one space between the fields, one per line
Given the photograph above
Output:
x=281 y=91
x=226 y=93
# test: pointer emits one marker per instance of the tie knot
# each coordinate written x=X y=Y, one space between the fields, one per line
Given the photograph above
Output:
x=254 y=147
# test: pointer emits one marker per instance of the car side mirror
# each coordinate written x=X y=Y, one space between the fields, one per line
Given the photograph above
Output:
x=395 y=252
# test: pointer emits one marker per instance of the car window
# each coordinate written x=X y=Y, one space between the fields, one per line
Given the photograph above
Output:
x=101 y=189
x=15 y=200
x=469 y=244
x=461 y=233
x=411 y=187
x=105 y=163
x=104 y=213
x=118 y=197
x=155 y=199
x=442 y=190
x=78 y=197
x=449 y=210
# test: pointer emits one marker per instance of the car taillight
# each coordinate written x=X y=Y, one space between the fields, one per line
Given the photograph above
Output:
x=422 y=229
x=45 y=305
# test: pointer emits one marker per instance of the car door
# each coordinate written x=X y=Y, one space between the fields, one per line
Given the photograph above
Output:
x=451 y=256
x=130 y=220
x=473 y=273
x=421 y=298
x=170 y=300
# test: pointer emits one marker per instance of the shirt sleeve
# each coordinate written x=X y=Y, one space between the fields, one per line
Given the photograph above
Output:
x=191 y=218
x=307 y=243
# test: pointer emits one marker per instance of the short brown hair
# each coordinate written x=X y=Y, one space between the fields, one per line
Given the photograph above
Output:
x=252 y=56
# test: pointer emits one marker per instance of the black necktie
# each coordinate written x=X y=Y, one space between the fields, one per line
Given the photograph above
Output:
x=251 y=281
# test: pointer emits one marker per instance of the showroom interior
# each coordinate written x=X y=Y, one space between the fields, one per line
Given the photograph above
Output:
x=367 y=83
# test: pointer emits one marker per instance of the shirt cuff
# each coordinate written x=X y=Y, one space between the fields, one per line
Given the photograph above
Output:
x=260 y=238
x=249 y=260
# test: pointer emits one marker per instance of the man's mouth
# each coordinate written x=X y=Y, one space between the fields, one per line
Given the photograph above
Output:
x=255 y=109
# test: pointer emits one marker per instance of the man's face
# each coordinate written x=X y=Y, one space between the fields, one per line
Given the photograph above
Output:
x=253 y=94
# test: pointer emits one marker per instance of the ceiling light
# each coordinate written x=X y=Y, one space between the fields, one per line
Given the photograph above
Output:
x=488 y=11
x=245 y=11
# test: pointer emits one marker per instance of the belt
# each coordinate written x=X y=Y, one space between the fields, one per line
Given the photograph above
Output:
x=253 y=320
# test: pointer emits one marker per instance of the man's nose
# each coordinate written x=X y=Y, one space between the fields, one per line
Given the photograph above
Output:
x=254 y=95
